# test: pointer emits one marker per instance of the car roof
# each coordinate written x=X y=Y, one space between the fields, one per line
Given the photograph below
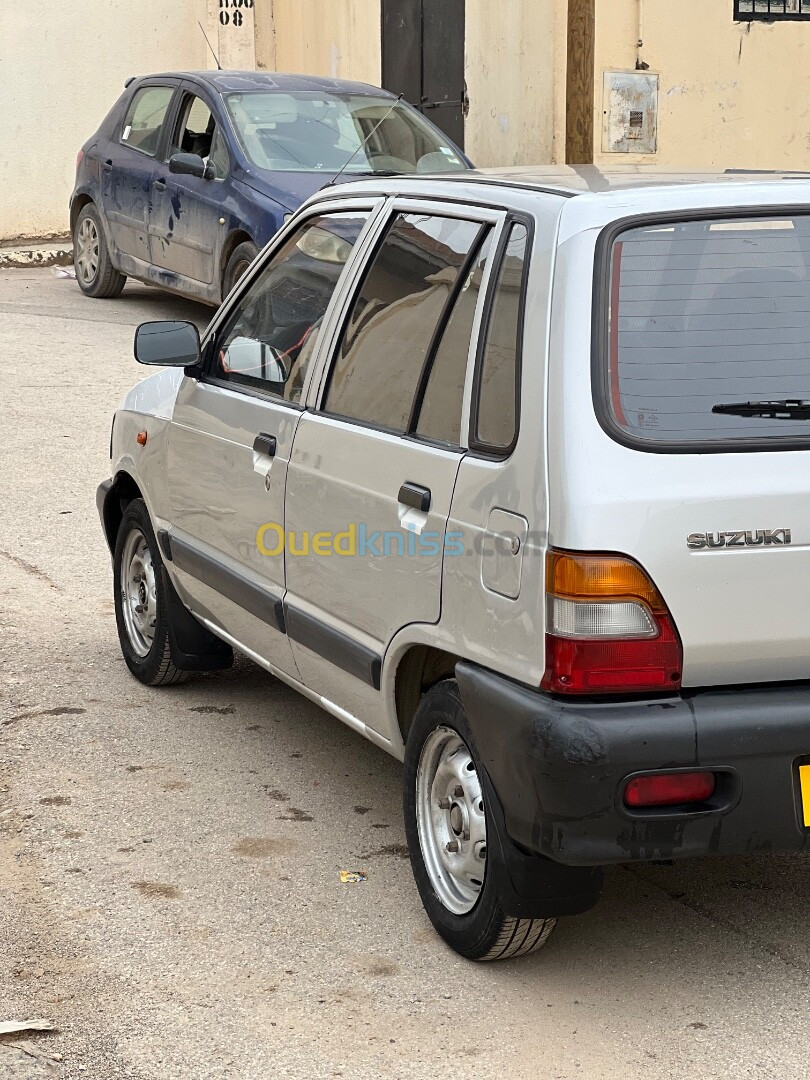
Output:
x=617 y=189
x=572 y=180
x=224 y=82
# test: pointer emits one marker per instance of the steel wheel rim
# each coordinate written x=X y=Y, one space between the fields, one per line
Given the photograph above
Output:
x=451 y=821
x=138 y=593
x=87 y=251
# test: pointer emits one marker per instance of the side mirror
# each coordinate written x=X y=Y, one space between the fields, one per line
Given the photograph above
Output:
x=168 y=344
x=192 y=165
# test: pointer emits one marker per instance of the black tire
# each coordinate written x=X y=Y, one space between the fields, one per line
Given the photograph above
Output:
x=240 y=260
x=156 y=666
x=95 y=273
x=485 y=932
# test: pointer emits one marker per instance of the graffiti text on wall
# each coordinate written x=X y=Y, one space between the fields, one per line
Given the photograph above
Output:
x=230 y=11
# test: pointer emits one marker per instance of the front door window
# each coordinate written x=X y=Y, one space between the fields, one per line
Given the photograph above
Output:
x=270 y=338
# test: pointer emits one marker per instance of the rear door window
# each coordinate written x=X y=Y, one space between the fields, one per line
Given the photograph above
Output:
x=707 y=335
x=396 y=322
x=145 y=116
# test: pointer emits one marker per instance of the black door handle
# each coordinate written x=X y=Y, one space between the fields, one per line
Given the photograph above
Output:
x=415 y=496
x=265 y=444
x=160 y=185
x=107 y=166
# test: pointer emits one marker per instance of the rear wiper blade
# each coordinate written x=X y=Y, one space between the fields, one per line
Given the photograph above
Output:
x=781 y=409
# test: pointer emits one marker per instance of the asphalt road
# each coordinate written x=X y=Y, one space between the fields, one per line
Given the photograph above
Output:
x=169 y=859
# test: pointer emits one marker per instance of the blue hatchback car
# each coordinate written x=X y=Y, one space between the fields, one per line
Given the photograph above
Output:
x=192 y=173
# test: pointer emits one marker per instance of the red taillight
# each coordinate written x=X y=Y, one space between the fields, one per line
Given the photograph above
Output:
x=576 y=666
x=79 y=159
x=609 y=630
x=669 y=789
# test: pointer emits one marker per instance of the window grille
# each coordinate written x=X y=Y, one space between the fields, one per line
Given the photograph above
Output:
x=768 y=10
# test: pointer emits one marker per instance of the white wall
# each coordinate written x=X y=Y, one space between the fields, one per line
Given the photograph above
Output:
x=510 y=70
x=62 y=66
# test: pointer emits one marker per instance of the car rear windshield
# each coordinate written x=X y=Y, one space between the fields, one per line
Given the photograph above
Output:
x=314 y=132
x=708 y=315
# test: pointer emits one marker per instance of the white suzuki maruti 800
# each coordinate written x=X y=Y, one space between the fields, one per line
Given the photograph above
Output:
x=508 y=472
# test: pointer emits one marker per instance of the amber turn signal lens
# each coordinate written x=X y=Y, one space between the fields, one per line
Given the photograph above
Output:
x=599 y=577
x=141 y=438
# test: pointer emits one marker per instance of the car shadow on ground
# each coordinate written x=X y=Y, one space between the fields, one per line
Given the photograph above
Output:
x=650 y=910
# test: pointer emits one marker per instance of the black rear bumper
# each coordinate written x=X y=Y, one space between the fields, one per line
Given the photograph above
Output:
x=559 y=769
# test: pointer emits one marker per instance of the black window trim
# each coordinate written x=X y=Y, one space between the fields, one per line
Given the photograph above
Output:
x=168 y=117
x=246 y=384
x=600 y=336
x=769 y=16
x=477 y=446
x=397 y=209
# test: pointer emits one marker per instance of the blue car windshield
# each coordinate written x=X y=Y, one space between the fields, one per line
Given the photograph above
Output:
x=317 y=132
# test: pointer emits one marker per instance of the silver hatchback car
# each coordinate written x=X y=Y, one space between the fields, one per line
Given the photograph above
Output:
x=508 y=472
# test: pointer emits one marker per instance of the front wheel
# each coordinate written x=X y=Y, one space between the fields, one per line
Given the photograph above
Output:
x=238 y=263
x=446 y=825
x=141 y=604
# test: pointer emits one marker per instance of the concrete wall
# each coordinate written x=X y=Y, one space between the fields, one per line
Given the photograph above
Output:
x=61 y=70
x=732 y=95
x=510 y=70
x=340 y=38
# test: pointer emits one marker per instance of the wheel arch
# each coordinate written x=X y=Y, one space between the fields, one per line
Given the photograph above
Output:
x=420 y=667
x=232 y=242
x=123 y=490
x=77 y=206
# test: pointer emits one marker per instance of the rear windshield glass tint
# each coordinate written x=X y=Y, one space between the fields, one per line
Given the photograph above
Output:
x=706 y=313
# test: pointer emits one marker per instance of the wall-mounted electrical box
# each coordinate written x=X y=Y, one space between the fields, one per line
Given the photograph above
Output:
x=630 y=112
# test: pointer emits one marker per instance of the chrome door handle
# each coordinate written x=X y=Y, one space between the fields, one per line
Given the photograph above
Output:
x=418 y=498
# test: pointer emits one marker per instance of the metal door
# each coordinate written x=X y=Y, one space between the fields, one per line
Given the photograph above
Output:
x=423 y=59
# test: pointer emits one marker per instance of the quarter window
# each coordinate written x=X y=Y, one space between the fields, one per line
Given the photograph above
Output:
x=497 y=382
x=270 y=339
x=395 y=318
x=145 y=117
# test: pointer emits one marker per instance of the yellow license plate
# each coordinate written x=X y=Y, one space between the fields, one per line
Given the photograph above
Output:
x=804 y=780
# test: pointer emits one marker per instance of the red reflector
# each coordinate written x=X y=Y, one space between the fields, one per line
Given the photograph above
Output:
x=79 y=159
x=589 y=666
x=669 y=789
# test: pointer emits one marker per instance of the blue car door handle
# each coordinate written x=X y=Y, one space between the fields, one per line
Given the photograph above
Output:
x=160 y=185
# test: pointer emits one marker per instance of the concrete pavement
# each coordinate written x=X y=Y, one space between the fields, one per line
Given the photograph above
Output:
x=169 y=859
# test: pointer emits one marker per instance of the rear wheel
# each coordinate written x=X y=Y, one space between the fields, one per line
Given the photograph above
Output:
x=238 y=263
x=446 y=824
x=141 y=604
x=95 y=273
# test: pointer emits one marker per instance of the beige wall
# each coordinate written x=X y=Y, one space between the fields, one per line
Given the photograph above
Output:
x=732 y=95
x=510 y=65
x=60 y=73
x=339 y=38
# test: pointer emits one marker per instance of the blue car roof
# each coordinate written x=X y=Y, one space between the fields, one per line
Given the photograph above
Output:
x=224 y=82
